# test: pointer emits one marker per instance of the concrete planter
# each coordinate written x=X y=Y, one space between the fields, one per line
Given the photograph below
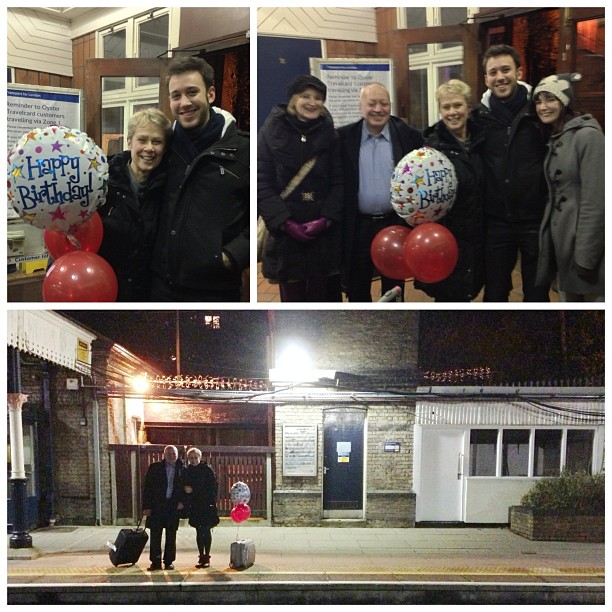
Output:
x=534 y=525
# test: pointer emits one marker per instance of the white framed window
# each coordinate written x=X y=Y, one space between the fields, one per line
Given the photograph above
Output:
x=149 y=35
x=530 y=452
x=431 y=64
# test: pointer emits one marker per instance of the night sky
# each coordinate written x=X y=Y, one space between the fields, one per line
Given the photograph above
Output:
x=517 y=345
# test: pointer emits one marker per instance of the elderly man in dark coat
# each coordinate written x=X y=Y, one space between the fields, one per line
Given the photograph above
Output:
x=162 y=499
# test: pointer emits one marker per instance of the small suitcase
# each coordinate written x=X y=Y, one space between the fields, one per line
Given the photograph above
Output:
x=128 y=546
x=242 y=554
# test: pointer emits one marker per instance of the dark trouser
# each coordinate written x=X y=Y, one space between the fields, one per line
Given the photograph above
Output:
x=203 y=539
x=361 y=268
x=504 y=241
x=313 y=289
x=167 y=520
x=161 y=291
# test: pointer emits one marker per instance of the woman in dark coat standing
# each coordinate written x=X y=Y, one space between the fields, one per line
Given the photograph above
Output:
x=457 y=137
x=201 y=500
x=136 y=186
x=303 y=250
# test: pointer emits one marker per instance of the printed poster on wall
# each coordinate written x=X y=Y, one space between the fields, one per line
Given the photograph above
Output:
x=30 y=107
x=299 y=450
x=345 y=78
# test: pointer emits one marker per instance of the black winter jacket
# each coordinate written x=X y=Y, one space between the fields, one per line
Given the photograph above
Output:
x=201 y=502
x=130 y=226
x=154 y=492
x=513 y=161
x=206 y=212
x=282 y=149
x=465 y=219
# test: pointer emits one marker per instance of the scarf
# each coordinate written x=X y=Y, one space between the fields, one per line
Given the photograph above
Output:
x=509 y=109
x=190 y=143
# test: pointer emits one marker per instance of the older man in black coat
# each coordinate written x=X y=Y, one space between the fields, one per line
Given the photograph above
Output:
x=371 y=148
x=162 y=499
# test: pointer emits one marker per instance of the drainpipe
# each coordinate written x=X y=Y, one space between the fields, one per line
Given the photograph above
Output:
x=97 y=463
x=20 y=538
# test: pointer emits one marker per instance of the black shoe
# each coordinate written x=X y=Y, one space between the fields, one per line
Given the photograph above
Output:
x=168 y=566
x=154 y=567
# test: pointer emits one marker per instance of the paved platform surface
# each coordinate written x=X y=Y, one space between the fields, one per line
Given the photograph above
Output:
x=318 y=558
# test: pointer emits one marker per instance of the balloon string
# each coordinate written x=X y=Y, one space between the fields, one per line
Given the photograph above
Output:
x=73 y=241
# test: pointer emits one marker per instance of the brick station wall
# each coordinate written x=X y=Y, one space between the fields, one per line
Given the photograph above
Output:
x=355 y=342
x=556 y=528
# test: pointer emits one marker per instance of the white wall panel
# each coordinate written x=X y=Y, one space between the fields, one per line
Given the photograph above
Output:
x=335 y=23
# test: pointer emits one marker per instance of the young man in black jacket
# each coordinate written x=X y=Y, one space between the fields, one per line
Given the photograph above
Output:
x=515 y=187
x=202 y=246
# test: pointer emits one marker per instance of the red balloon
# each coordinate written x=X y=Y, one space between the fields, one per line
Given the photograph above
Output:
x=387 y=252
x=80 y=276
x=86 y=236
x=240 y=512
x=431 y=251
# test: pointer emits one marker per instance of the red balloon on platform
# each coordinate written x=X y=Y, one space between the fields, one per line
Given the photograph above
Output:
x=387 y=252
x=240 y=512
x=86 y=236
x=80 y=276
x=431 y=252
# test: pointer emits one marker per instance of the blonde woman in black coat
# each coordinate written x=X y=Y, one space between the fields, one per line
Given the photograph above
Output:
x=201 y=500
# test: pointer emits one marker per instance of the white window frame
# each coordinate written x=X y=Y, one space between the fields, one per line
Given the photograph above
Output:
x=595 y=451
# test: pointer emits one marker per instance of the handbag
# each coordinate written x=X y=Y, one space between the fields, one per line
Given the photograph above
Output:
x=262 y=230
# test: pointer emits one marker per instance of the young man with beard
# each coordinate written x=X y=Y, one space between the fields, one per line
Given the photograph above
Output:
x=515 y=187
x=202 y=246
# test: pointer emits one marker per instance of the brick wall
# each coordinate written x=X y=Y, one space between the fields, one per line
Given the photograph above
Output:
x=390 y=501
x=533 y=526
x=356 y=342
x=73 y=451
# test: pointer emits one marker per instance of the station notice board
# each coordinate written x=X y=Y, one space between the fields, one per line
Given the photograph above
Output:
x=299 y=450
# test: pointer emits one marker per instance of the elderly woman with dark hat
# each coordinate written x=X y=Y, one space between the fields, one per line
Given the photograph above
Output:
x=299 y=195
x=572 y=231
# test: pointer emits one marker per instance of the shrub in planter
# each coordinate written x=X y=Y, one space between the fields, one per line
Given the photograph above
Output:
x=578 y=494
x=569 y=508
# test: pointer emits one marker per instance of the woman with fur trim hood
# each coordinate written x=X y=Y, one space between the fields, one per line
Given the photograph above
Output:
x=572 y=231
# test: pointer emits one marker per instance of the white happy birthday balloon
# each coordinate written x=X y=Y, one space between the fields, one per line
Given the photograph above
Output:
x=57 y=177
x=423 y=186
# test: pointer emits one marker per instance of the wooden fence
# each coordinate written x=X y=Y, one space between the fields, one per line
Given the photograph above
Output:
x=249 y=464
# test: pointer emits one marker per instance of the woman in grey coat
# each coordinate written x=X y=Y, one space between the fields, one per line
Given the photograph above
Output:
x=572 y=231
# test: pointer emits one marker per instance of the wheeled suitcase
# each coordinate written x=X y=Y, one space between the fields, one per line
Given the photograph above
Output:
x=242 y=554
x=128 y=546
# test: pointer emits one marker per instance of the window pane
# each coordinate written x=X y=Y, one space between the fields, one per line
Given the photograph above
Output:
x=483 y=447
x=446 y=73
x=112 y=130
x=452 y=16
x=515 y=452
x=153 y=37
x=418 y=99
x=153 y=42
x=416 y=17
x=114 y=47
x=579 y=453
x=547 y=460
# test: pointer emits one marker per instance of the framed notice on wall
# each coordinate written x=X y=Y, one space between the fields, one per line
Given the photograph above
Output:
x=345 y=78
x=299 y=450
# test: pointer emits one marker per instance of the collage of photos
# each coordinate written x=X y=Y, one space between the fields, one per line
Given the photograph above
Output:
x=227 y=379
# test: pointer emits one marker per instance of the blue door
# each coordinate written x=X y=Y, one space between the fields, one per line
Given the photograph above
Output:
x=343 y=463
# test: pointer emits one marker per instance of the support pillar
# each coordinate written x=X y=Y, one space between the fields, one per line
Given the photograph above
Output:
x=19 y=538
